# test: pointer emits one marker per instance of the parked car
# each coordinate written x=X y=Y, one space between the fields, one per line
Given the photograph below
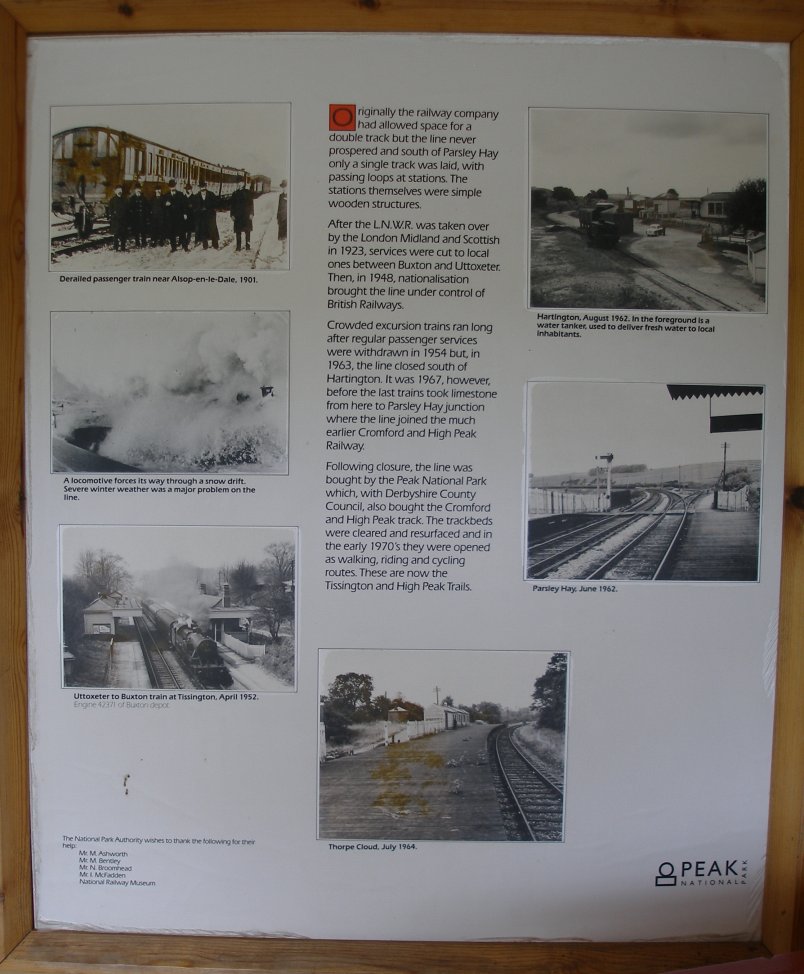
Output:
x=655 y=230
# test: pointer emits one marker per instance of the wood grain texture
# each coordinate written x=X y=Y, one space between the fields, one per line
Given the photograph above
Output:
x=82 y=953
x=15 y=870
x=783 y=915
x=66 y=953
x=776 y=20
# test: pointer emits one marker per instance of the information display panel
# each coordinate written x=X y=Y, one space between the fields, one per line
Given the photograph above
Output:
x=467 y=650
x=388 y=302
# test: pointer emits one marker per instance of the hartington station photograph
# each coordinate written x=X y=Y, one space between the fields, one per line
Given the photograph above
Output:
x=648 y=210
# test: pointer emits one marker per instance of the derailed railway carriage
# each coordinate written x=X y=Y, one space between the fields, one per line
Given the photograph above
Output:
x=198 y=651
x=88 y=162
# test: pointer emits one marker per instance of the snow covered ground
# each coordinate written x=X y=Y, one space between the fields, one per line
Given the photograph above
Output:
x=267 y=253
x=249 y=675
x=191 y=392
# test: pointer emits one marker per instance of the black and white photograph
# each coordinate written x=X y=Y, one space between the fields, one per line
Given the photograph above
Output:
x=653 y=210
x=450 y=745
x=185 y=392
x=193 y=187
x=179 y=608
x=640 y=481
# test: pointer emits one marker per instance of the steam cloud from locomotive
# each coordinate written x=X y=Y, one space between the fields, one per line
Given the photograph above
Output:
x=177 y=395
x=176 y=586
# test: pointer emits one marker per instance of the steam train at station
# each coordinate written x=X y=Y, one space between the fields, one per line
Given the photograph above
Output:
x=197 y=651
x=89 y=162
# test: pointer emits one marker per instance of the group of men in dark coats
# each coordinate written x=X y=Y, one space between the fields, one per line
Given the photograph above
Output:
x=183 y=214
x=241 y=209
x=175 y=216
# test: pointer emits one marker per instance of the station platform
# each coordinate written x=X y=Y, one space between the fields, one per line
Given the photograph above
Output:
x=719 y=546
x=127 y=669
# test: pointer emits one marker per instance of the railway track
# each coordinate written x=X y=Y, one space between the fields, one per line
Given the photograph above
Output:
x=66 y=242
x=649 y=538
x=79 y=246
x=691 y=298
x=164 y=668
x=532 y=793
x=545 y=557
x=649 y=554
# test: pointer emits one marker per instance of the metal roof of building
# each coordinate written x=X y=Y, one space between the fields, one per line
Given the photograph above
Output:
x=106 y=603
x=704 y=392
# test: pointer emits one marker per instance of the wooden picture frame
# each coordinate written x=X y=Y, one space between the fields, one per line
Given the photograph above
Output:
x=28 y=950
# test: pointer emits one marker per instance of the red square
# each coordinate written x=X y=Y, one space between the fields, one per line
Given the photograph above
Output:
x=342 y=118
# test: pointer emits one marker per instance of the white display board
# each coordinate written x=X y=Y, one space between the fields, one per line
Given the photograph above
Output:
x=405 y=433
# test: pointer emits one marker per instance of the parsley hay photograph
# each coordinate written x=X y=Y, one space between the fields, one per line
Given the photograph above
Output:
x=658 y=483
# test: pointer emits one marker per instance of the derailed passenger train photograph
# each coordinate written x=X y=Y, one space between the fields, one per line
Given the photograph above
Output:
x=171 y=186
